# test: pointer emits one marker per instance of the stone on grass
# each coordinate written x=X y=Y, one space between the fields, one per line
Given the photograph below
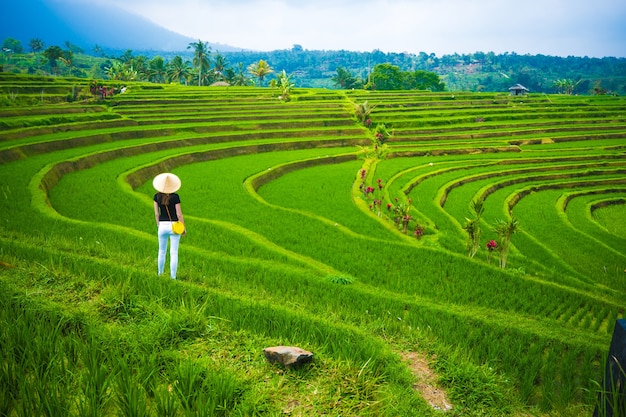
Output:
x=288 y=356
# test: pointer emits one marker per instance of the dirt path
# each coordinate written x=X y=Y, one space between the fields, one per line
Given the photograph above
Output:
x=426 y=383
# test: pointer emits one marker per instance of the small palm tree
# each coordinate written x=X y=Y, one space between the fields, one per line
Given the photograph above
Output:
x=362 y=111
x=566 y=86
x=472 y=227
x=260 y=70
x=285 y=85
x=504 y=231
x=68 y=59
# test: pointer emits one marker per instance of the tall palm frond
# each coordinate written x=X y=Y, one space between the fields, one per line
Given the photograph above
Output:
x=178 y=70
x=260 y=70
x=200 y=58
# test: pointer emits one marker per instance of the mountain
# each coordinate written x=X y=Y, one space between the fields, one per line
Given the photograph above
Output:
x=87 y=25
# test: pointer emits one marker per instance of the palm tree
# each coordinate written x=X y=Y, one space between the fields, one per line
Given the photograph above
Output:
x=566 y=86
x=344 y=79
x=505 y=230
x=36 y=45
x=472 y=227
x=219 y=66
x=200 y=57
x=131 y=73
x=122 y=71
x=115 y=71
x=260 y=70
x=240 y=77
x=68 y=59
x=178 y=70
x=140 y=65
x=362 y=111
x=97 y=49
x=284 y=84
x=53 y=53
x=156 y=70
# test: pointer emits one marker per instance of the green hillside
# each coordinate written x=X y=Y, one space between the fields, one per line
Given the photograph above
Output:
x=336 y=222
x=475 y=72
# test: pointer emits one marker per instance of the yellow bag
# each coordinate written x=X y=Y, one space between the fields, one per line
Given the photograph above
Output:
x=178 y=228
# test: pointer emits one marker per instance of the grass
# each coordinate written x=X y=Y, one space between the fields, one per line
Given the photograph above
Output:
x=609 y=218
x=284 y=249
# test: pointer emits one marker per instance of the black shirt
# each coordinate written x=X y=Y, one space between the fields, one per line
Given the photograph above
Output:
x=174 y=199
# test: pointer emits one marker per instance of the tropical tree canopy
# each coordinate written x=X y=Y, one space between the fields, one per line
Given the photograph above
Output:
x=36 y=45
x=68 y=59
x=386 y=77
x=219 y=66
x=13 y=45
x=344 y=79
x=479 y=71
x=157 y=70
x=53 y=53
x=566 y=86
x=239 y=77
x=260 y=70
x=178 y=71
x=424 y=80
x=201 y=51
x=123 y=71
x=391 y=77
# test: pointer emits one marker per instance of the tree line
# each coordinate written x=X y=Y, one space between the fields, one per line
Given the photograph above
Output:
x=196 y=67
x=199 y=65
x=389 y=77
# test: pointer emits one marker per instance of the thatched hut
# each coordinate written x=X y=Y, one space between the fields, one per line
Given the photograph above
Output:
x=518 y=90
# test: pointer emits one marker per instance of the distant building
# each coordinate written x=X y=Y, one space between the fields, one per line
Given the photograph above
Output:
x=518 y=90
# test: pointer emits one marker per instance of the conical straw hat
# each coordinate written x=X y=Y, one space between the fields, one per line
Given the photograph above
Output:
x=166 y=183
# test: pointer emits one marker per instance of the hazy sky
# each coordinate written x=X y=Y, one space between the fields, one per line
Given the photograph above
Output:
x=594 y=28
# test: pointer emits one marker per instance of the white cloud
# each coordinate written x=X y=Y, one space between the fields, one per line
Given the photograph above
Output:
x=551 y=27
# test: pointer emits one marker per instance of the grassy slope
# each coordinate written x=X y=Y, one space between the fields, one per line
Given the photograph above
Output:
x=261 y=269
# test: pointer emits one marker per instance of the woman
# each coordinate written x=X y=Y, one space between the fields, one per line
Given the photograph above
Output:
x=167 y=211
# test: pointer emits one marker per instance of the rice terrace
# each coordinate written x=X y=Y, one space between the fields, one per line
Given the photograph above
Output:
x=440 y=253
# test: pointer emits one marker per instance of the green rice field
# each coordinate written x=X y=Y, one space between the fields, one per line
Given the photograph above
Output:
x=307 y=229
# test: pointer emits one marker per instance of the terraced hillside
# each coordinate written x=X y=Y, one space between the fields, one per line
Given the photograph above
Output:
x=295 y=219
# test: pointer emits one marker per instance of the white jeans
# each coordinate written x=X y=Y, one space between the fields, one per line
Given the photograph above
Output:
x=165 y=233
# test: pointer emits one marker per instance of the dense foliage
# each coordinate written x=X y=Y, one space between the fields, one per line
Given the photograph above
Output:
x=479 y=71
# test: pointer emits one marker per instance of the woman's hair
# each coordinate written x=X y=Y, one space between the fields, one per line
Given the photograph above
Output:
x=165 y=199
